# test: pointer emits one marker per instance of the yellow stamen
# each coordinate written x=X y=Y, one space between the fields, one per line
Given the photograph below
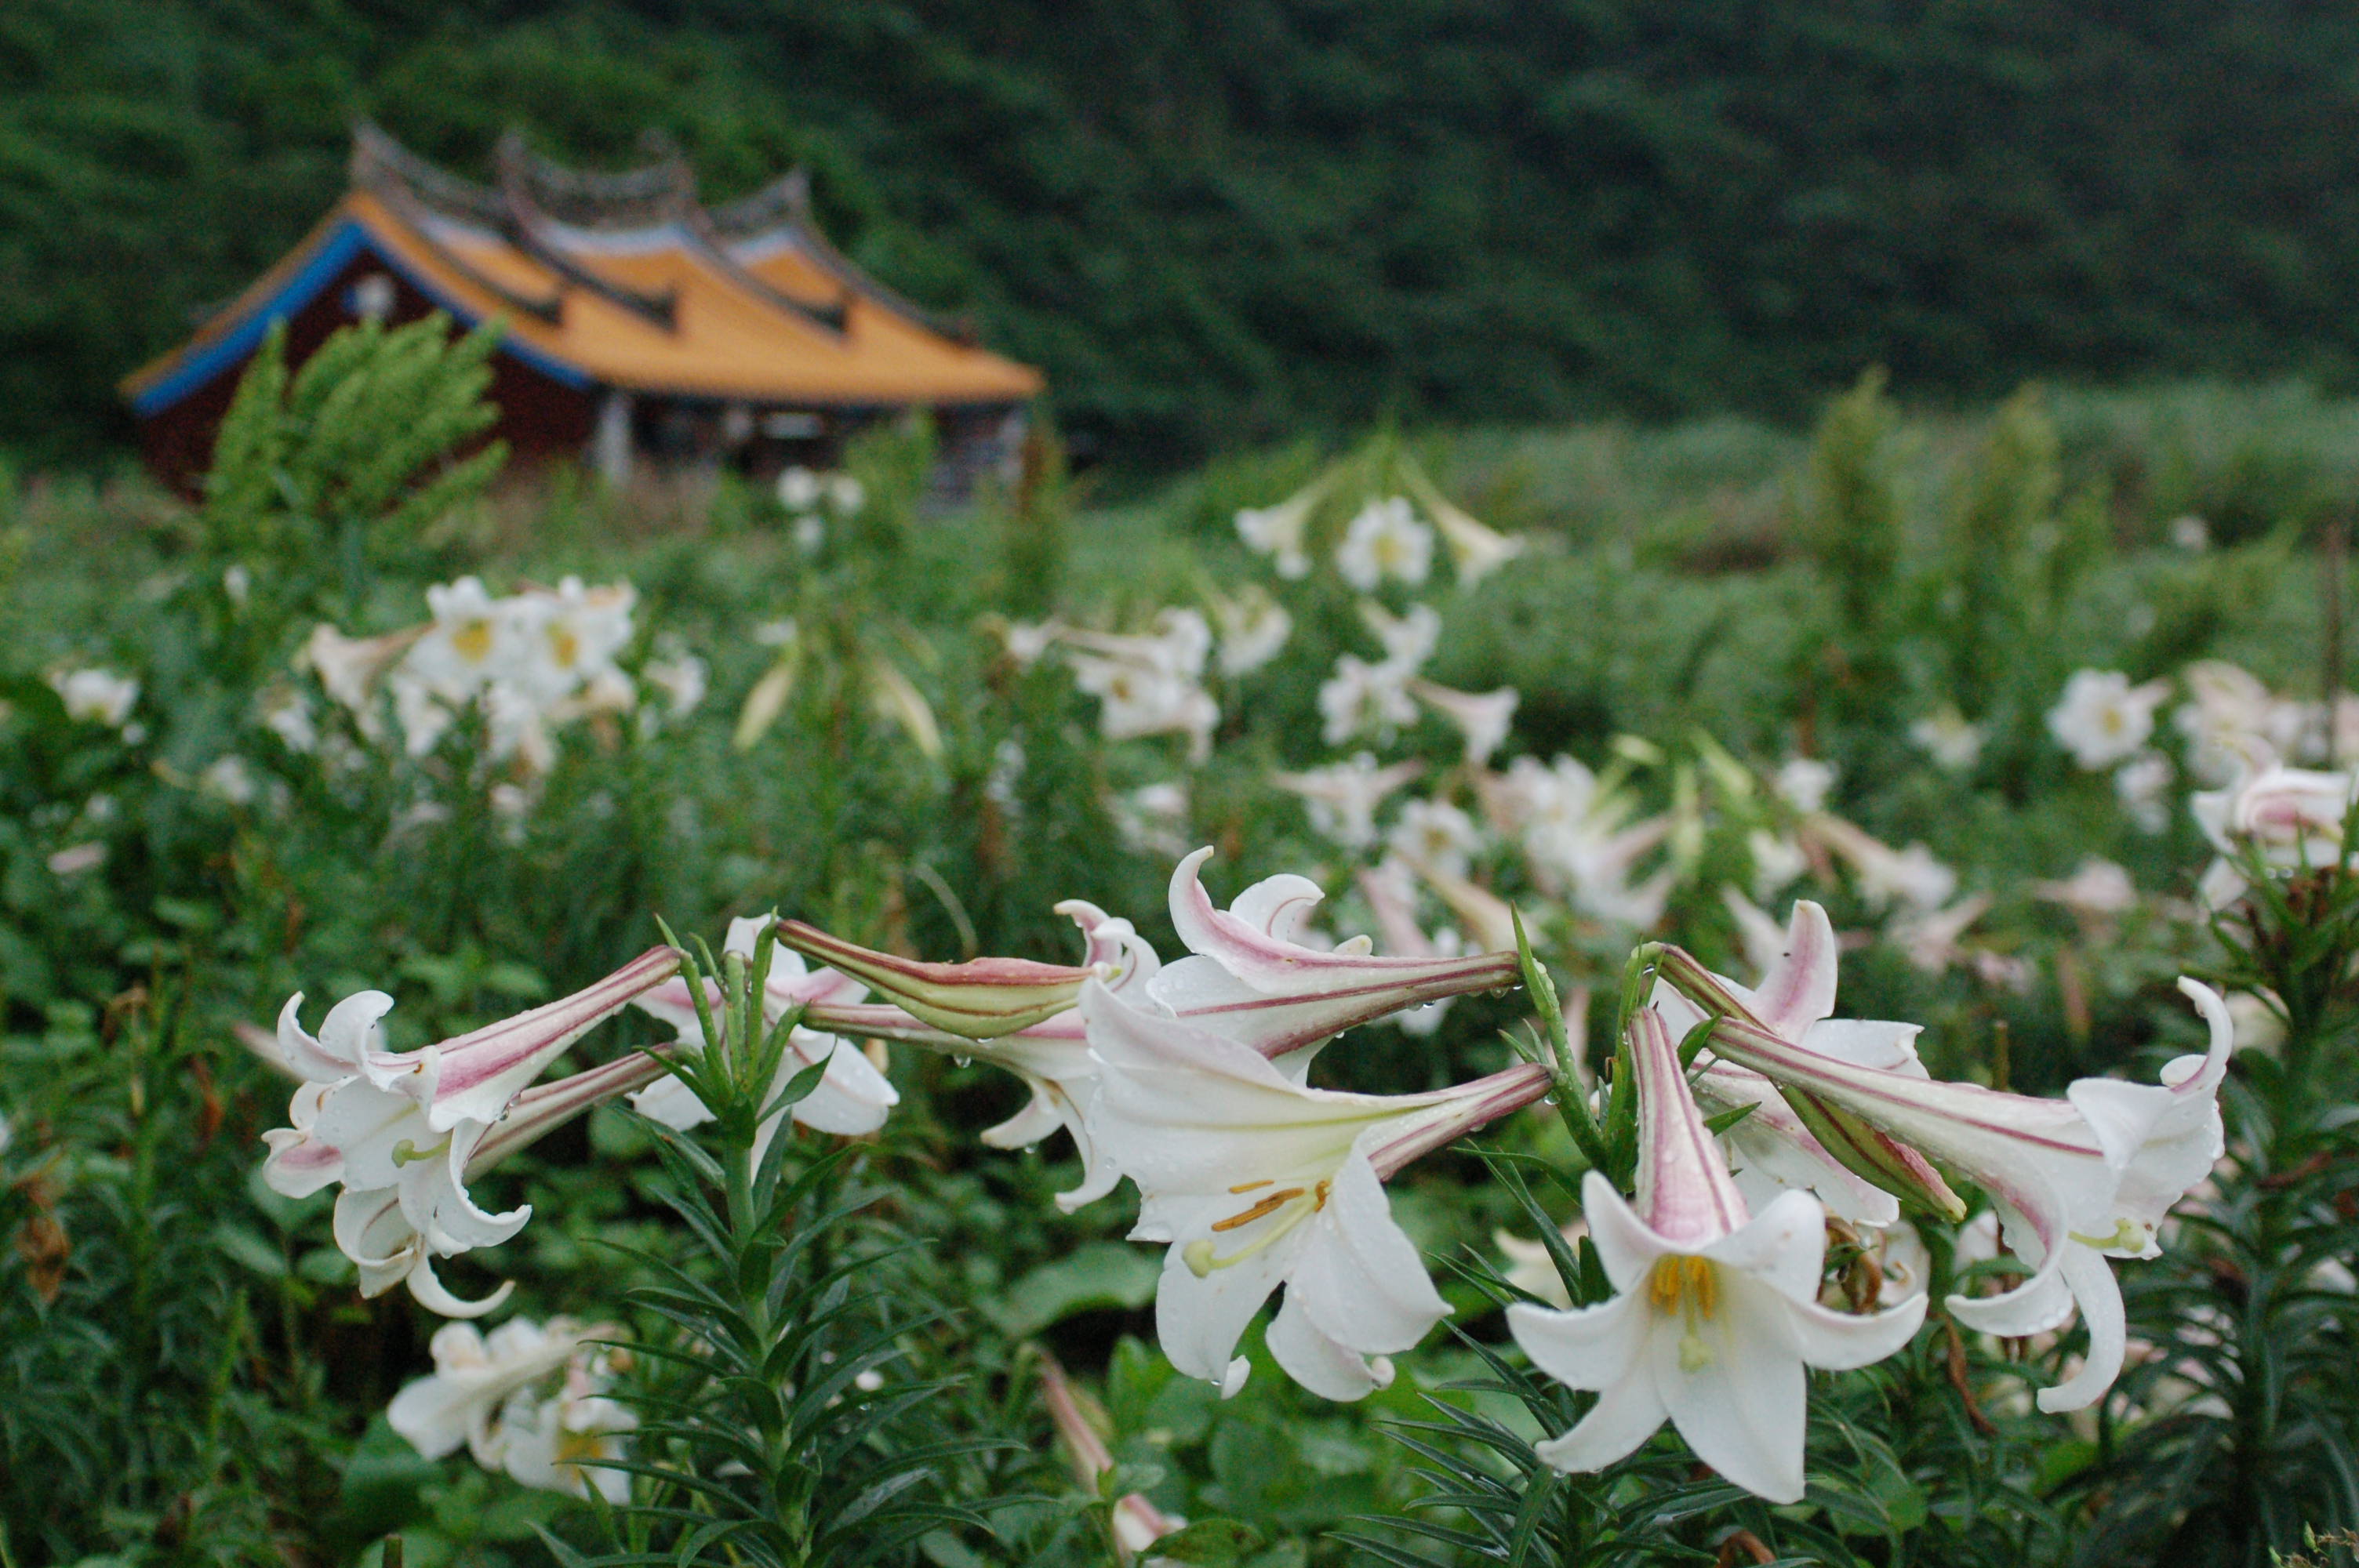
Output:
x=1201 y=1260
x=565 y=646
x=1270 y=1205
x=1249 y=1186
x=473 y=642
x=1680 y=1283
x=1690 y=1287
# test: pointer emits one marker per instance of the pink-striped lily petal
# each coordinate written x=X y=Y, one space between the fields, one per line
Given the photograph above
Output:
x=1253 y=1180
x=474 y=1077
x=1715 y=1313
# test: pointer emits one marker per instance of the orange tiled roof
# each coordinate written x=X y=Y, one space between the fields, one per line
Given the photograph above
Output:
x=623 y=281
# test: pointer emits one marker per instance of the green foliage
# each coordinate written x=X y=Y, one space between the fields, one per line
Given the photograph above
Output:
x=2248 y=1445
x=1213 y=227
x=228 y=1408
x=361 y=446
x=783 y=1428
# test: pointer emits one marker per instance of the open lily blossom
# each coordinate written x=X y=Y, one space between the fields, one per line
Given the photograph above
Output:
x=1775 y=1147
x=494 y=1394
x=403 y=1132
x=1715 y=1310
x=1052 y=1057
x=471 y=1075
x=1250 y=979
x=394 y=1228
x=852 y=1097
x=2075 y=1181
x=473 y=1375
x=2292 y=817
x=1255 y=1180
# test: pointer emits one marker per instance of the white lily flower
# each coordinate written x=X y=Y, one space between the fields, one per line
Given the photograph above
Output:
x=1253 y=629
x=1283 y=531
x=1582 y=838
x=1804 y=782
x=2292 y=815
x=394 y=1231
x=1436 y=832
x=1911 y=876
x=1409 y=639
x=558 y=1443
x=2097 y=889
x=2143 y=786
x=1249 y=980
x=403 y=1132
x=1715 y=1312
x=2101 y=720
x=1385 y=539
x=2075 y=1180
x=1949 y=738
x=1256 y=1181
x=95 y=696
x=1341 y=798
x=1475 y=550
x=1051 y=1056
x=1361 y=698
x=2233 y=723
x=1484 y=718
x=853 y=1098
x=571 y=635
x=1772 y=1148
x=474 y=640
x=472 y=1077
x=473 y=1375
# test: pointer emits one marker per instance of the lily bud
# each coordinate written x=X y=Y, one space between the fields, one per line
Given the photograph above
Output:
x=983 y=999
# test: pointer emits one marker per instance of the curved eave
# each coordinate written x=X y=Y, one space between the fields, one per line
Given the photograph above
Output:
x=232 y=336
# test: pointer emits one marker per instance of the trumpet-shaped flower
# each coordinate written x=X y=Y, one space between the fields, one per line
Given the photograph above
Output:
x=1385 y=539
x=1409 y=639
x=1482 y=717
x=1436 y=832
x=403 y=1132
x=1774 y=1149
x=2075 y=1180
x=472 y=1077
x=2292 y=817
x=473 y=1375
x=1475 y=550
x=1715 y=1311
x=392 y=1232
x=571 y=634
x=1361 y=698
x=1255 y=1180
x=2102 y=719
x=1341 y=798
x=1250 y=980
x=95 y=696
x=852 y=1097
x=492 y=1393
x=1582 y=838
x=1254 y=627
x=473 y=641
x=1051 y=1056
x=1283 y=531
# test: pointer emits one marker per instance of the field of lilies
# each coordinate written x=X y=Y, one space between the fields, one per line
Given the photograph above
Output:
x=1737 y=997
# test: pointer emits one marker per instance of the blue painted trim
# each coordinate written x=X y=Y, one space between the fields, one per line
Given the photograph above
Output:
x=346 y=241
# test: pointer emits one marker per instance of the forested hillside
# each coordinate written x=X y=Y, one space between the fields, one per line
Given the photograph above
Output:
x=1220 y=220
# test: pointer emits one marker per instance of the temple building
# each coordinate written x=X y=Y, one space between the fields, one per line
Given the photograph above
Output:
x=641 y=330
